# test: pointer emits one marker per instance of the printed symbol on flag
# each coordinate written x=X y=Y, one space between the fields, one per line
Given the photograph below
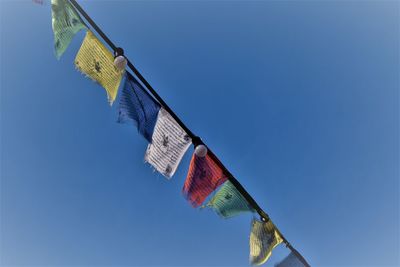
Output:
x=168 y=170
x=228 y=196
x=270 y=238
x=181 y=133
x=165 y=143
x=97 y=66
x=165 y=140
x=203 y=173
x=186 y=138
x=74 y=21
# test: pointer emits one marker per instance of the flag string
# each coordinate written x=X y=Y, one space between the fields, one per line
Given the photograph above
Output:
x=195 y=139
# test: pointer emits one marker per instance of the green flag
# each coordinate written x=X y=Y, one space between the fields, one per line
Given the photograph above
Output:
x=66 y=23
x=228 y=201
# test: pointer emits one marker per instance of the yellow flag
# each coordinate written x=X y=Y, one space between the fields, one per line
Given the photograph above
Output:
x=97 y=62
x=263 y=239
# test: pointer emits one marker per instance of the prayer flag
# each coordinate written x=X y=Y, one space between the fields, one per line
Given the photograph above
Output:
x=263 y=239
x=66 y=23
x=40 y=2
x=228 y=201
x=290 y=261
x=204 y=176
x=168 y=144
x=97 y=62
x=138 y=106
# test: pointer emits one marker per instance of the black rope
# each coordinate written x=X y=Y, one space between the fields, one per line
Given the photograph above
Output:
x=195 y=139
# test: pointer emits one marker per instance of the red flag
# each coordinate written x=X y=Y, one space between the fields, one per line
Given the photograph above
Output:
x=204 y=176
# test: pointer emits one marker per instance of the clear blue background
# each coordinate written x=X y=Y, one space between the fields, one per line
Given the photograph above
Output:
x=299 y=99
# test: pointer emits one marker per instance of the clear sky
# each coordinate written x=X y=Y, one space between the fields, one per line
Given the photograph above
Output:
x=300 y=100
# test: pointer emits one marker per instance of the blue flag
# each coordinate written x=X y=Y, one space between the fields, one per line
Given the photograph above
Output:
x=290 y=261
x=138 y=106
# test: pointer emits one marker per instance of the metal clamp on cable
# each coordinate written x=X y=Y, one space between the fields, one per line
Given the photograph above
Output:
x=200 y=150
x=119 y=59
x=264 y=218
x=118 y=52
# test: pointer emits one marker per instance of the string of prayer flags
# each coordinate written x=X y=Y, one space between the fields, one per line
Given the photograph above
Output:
x=204 y=176
x=263 y=239
x=290 y=261
x=66 y=23
x=228 y=201
x=138 y=106
x=169 y=143
x=97 y=62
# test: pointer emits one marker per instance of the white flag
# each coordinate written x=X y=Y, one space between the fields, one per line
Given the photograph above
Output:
x=169 y=144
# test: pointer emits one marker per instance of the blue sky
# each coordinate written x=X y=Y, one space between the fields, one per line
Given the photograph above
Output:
x=299 y=99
